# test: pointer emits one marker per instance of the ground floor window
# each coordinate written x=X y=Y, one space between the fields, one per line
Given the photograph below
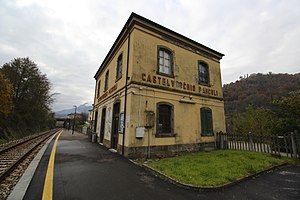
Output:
x=164 y=125
x=206 y=122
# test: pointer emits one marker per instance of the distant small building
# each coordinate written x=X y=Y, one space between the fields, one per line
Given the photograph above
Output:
x=90 y=119
x=77 y=116
x=158 y=92
x=60 y=122
x=90 y=116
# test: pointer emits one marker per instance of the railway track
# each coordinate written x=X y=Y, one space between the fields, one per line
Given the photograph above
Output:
x=11 y=156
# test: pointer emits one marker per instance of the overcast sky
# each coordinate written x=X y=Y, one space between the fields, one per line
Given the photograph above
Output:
x=69 y=39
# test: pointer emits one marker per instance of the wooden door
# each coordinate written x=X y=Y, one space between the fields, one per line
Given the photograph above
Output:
x=103 y=116
x=115 y=124
x=96 y=121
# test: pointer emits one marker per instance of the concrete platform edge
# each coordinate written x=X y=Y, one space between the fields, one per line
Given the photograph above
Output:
x=22 y=185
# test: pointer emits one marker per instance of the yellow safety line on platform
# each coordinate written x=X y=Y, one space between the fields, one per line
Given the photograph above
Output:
x=48 y=185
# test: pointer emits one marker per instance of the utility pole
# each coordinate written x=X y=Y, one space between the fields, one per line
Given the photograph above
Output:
x=74 y=120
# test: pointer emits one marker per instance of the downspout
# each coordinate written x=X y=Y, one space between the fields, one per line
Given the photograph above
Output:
x=93 y=125
x=125 y=101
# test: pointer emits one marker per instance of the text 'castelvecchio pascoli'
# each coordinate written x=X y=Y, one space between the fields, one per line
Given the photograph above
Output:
x=177 y=84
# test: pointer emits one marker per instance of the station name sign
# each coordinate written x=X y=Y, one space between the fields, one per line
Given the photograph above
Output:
x=108 y=92
x=172 y=83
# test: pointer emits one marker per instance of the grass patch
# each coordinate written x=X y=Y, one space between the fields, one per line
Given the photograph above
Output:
x=215 y=167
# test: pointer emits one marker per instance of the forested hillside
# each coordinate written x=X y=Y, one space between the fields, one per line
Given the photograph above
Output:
x=258 y=90
x=260 y=95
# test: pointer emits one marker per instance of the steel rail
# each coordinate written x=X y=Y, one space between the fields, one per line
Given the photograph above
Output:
x=21 y=142
x=22 y=157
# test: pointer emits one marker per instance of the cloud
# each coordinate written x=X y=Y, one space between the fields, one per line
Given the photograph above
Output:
x=69 y=39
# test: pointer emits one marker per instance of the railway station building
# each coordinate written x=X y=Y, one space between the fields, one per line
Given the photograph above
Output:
x=157 y=92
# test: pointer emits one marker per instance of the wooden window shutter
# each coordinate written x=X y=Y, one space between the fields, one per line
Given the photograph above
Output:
x=119 y=66
x=106 y=80
x=203 y=72
x=206 y=121
x=164 y=118
x=98 y=88
x=209 y=122
x=172 y=119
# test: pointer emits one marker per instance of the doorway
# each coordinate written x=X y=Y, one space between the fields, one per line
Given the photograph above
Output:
x=102 y=129
x=115 y=125
x=96 y=121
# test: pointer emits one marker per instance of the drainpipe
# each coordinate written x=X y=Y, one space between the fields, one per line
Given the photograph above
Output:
x=93 y=112
x=125 y=101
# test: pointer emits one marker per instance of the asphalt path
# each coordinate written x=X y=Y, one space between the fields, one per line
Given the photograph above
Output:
x=85 y=170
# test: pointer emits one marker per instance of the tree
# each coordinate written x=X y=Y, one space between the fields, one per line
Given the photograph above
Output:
x=288 y=110
x=30 y=95
x=283 y=118
x=6 y=104
x=256 y=120
x=5 y=96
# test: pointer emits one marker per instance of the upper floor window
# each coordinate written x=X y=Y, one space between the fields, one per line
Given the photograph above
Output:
x=165 y=61
x=164 y=115
x=106 y=80
x=206 y=122
x=98 y=88
x=203 y=73
x=119 y=67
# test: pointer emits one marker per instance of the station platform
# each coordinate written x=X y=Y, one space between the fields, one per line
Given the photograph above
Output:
x=85 y=170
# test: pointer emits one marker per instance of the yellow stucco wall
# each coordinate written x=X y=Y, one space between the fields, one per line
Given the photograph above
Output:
x=145 y=45
x=117 y=94
x=187 y=122
x=111 y=66
x=144 y=95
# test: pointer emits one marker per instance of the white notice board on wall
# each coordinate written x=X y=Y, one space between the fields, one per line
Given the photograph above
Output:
x=121 y=122
x=140 y=132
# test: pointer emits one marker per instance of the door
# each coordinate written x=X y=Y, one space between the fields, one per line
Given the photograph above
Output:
x=96 y=121
x=115 y=124
x=103 y=116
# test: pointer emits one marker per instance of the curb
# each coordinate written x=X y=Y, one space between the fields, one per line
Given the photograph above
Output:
x=204 y=188
x=20 y=188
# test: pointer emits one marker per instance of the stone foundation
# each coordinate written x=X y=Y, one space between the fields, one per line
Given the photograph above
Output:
x=106 y=143
x=166 y=150
x=161 y=151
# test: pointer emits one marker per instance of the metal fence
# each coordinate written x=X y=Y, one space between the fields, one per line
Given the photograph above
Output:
x=281 y=145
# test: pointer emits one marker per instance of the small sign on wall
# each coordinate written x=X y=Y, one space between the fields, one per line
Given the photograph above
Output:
x=121 y=122
x=140 y=132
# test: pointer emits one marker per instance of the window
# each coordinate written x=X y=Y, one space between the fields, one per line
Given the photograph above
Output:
x=165 y=62
x=119 y=67
x=164 y=124
x=98 y=88
x=106 y=80
x=206 y=122
x=203 y=73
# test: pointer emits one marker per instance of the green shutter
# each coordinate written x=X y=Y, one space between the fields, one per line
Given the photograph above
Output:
x=209 y=123
x=206 y=121
x=203 y=122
